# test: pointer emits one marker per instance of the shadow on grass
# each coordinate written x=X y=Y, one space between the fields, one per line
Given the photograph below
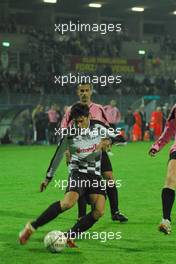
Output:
x=15 y=214
x=66 y=251
x=135 y=246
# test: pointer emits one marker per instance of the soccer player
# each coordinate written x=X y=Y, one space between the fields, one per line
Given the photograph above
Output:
x=168 y=191
x=85 y=166
x=112 y=113
x=156 y=122
x=97 y=112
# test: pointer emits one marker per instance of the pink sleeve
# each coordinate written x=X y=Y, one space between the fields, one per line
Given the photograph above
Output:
x=65 y=119
x=169 y=131
x=118 y=115
x=98 y=113
x=112 y=114
x=104 y=117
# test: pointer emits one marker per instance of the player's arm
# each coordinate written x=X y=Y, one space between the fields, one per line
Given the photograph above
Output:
x=168 y=133
x=111 y=137
x=65 y=124
x=55 y=161
x=66 y=119
x=116 y=137
x=118 y=115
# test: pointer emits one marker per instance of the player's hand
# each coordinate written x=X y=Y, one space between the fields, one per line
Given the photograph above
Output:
x=152 y=152
x=43 y=185
x=120 y=141
x=104 y=145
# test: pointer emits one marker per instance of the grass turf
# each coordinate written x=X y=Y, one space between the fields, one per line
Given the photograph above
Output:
x=23 y=168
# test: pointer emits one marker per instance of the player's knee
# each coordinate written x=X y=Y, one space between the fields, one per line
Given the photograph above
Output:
x=67 y=204
x=171 y=183
x=98 y=213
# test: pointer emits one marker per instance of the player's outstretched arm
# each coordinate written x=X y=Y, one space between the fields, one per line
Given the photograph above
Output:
x=168 y=133
x=110 y=137
x=55 y=161
x=152 y=152
x=44 y=185
x=116 y=138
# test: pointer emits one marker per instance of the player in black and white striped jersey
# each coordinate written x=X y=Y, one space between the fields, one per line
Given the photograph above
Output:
x=85 y=165
x=85 y=157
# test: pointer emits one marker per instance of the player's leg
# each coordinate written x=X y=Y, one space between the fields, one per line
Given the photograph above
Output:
x=98 y=205
x=82 y=202
x=86 y=222
x=82 y=206
x=70 y=198
x=111 y=189
x=112 y=193
x=168 y=195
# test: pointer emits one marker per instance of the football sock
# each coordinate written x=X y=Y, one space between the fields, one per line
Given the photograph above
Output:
x=49 y=214
x=82 y=225
x=168 y=197
x=112 y=194
x=82 y=204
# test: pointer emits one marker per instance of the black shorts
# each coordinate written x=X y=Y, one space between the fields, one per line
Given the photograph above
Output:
x=172 y=155
x=85 y=184
x=105 y=162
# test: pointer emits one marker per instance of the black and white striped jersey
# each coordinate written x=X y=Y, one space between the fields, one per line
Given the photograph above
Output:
x=82 y=144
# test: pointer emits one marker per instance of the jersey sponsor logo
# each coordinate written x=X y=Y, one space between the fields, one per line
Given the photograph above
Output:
x=84 y=150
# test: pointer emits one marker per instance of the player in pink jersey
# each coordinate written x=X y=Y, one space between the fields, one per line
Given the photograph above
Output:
x=168 y=192
x=112 y=113
x=53 y=118
x=97 y=112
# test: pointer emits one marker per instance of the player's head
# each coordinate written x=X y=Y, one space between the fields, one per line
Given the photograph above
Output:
x=84 y=92
x=113 y=103
x=158 y=109
x=80 y=115
x=129 y=110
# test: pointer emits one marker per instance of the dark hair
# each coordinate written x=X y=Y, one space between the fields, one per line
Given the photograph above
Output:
x=79 y=110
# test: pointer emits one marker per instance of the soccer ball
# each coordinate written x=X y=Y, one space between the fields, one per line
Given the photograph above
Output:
x=55 y=241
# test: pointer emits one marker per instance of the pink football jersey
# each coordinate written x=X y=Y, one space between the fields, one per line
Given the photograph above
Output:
x=113 y=114
x=52 y=116
x=168 y=133
x=96 y=111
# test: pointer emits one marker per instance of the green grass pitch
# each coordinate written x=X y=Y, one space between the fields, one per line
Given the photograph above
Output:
x=23 y=168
